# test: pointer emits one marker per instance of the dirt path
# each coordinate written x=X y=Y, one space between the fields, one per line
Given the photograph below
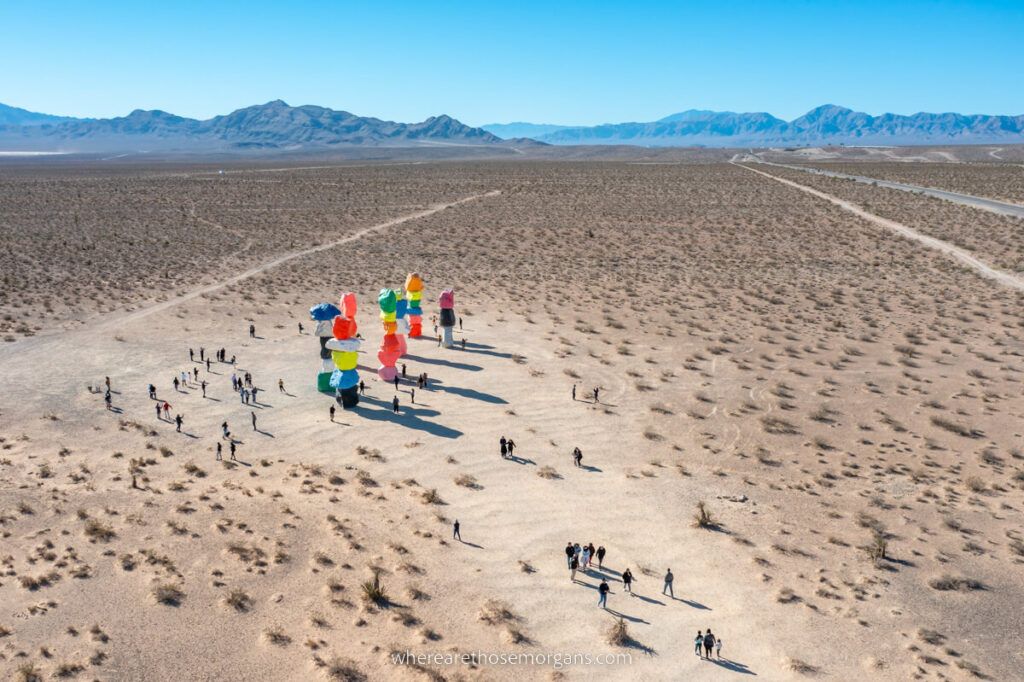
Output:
x=107 y=323
x=984 y=203
x=962 y=255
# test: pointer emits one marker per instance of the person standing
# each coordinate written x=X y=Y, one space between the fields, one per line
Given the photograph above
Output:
x=152 y=392
x=456 y=535
x=254 y=421
x=280 y=386
x=252 y=331
x=569 y=554
x=597 y=391
x=396 y=382
x=718 y=647
x=574 y=391
x=667 y=588
x=438 y=337
x=600 y=556
x=203 y=386
x=224 y=429
x=586 y=557
x=254 y=391
x=207 y=364
x=627 y=581
x=463 y=343
x=167 y=411
x=332 y=412
x=191 y=355
x=412 y=395
x=574 y=564
x=394 y=404
x=158 y=412
x=697 y=642
x=602 y=590
x=460 y=324
x=403 y=370
x=511 y=447
x=504 y=447
x=175 y=383
x=220 y=447
x=108 y=400
x=232 y=451
x=577 y=457
x=177 y=421
x=300 y=327
x=202 y=355
x=709 y=643
x=362 y=387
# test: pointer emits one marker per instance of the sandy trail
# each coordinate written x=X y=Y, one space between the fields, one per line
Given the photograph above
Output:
x=984 y=203
x=113 y=321
x=962 y=255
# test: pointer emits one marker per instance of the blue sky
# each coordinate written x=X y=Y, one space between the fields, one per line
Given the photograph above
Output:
x=484 y=62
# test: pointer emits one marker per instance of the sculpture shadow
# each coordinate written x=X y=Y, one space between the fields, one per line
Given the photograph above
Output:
x=471 y=393
x=445 y=363
x=409 y=417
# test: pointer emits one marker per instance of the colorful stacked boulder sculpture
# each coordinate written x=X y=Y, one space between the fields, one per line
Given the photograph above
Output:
x=323 y=314
x=401 y=307
x=414 y=293
x=446 y=301
x=390 y=349
x=344 y=349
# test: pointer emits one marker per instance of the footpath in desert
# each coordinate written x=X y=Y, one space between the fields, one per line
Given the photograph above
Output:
x=813 y=420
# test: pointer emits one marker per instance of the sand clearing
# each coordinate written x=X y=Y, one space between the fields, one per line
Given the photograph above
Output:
x=843 y=403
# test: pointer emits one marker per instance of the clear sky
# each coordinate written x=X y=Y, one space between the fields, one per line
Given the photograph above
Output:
x=487 y=61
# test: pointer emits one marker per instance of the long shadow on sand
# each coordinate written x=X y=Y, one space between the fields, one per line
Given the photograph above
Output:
x=482 y=349
x=731 y=665
x=438 y=385
x=444 y=363
x=410 y=417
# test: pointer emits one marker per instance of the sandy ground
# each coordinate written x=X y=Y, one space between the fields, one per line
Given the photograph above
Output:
x=819 y=383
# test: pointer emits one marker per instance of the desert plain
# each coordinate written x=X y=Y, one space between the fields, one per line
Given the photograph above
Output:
x=843 y=402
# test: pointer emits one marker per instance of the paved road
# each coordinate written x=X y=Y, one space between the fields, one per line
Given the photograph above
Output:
x=1000 y=207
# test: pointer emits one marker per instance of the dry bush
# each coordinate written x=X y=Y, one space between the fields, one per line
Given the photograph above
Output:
x=496 y=612
x=168 y=593
x=374 y=591
x=951 y=583
x=238 y=600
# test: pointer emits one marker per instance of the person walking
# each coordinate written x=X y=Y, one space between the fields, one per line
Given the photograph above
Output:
x=362 y=387
x=602 y=591
x=667 y=587
x=463 y=343
x=504 y=447
x=280 y=386
x=254 y=421
x=396 y=382
x=574 y=391
x=456 y=535
x=232 y=451
x=698 y=642
x=178 y=420
x=108 y=400
x=300 y=327
x=167 y=411
x=600 y=556
x=220 y=447
x=224 y=429
x=586 y=558
x=175 y=383
x=158 y=412
x=203 y=386
x=511 y=447
x=152 y=392
x=718 y=647
x=709 y=643
x=627 y=581
x=394 y=404
x=574 y=565
x=412 y=395
x=577 y=457
x=332 y=412
x=569 y=554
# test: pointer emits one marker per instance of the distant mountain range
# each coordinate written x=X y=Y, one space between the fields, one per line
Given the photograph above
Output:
x=828 y=124
x=278 y=127
x=271 y=126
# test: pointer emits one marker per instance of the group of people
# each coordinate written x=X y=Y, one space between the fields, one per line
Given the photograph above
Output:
x=708 y=641
x=246 y=389
x=596 y=394
x=507 y=446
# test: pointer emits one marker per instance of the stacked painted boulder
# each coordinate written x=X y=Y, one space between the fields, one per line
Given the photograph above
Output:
x=446 y=301
x=401 y=308
x=414 y=293
x=344 y=349
x=323 y=314
x=390 y=349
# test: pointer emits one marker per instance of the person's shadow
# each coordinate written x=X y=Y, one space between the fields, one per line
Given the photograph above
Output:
x=734 y=666
x=265 y=433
